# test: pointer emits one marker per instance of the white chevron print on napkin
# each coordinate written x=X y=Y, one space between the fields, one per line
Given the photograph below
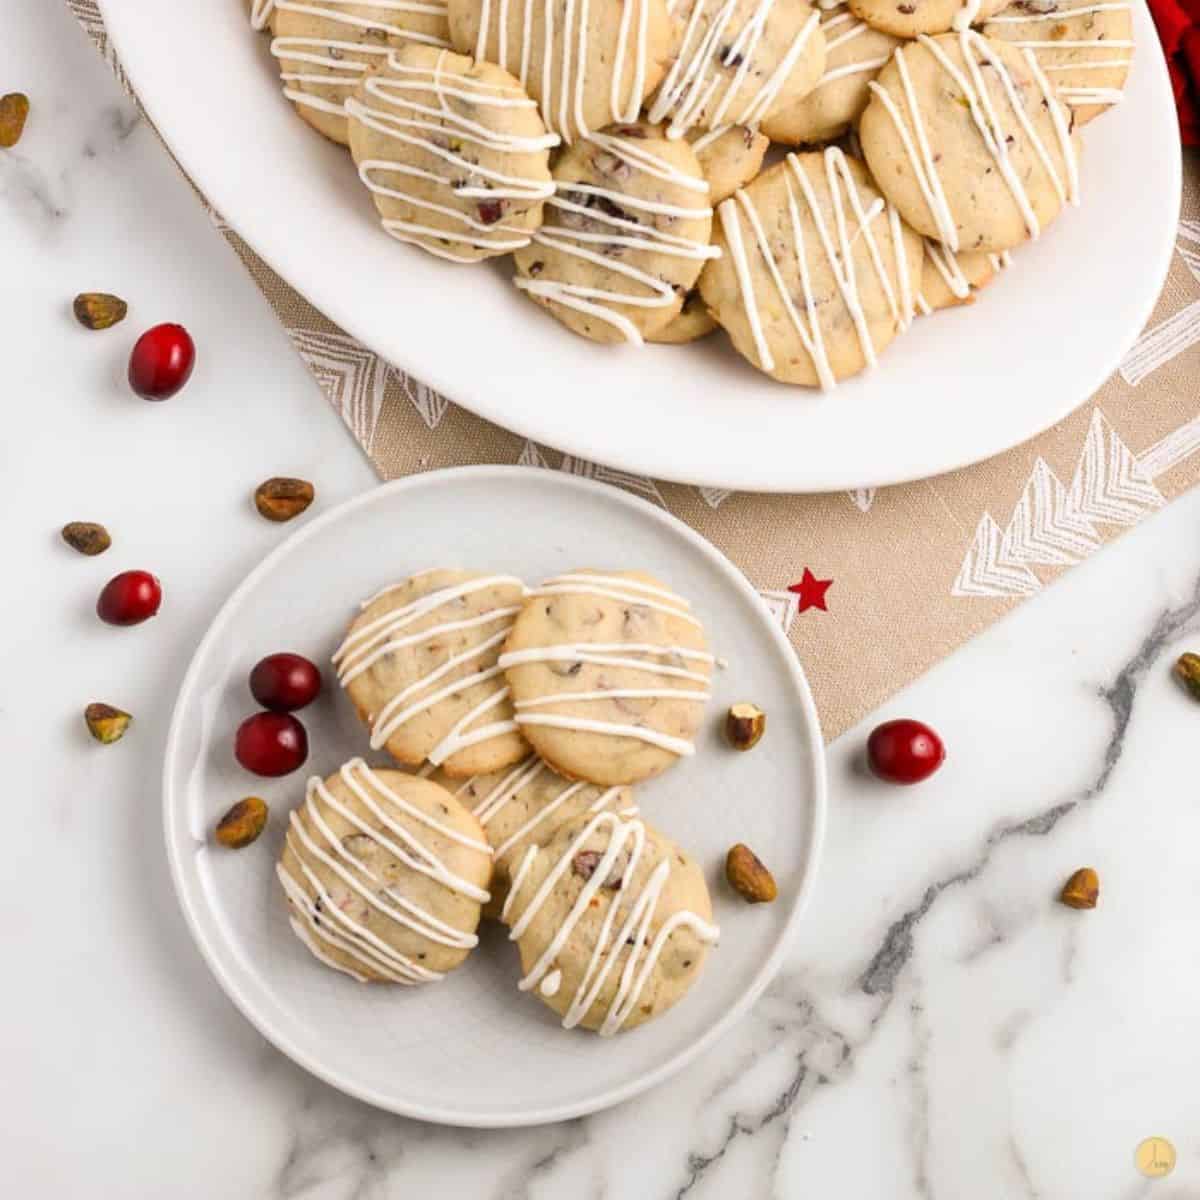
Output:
x=1189 y=246
x=1161 y=344
x=623 y=479
x=782 y=606
x=1054 y=526
x=862 y=498
x=714 y=497
x=429 y=404
x=531 y=456
x=349 y=374
x=89 y=17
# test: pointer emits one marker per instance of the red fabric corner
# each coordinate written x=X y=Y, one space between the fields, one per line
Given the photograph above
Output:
x=1178 y=24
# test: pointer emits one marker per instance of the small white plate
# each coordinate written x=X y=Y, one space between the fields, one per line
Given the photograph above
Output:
x=471 y=1050
x=959 y=387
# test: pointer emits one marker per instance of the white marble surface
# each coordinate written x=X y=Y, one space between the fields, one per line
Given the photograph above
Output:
x=942 y=1029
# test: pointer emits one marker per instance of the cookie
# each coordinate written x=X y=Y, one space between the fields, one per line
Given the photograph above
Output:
x=326 y=48
x=609 y=675
x=949 y=279
x=384 y=875
x=854 y=55
x=693 y=323
x=624 y=236
x=910 y=18
x=737 y=61
x=729 y=157
x=817 y=274
x=525 y=806
x=967 y=140
x=612 y=920
x=587 y=63
x=1085 y=48
x=419 y=664
x=454 y=153
x=260 y=13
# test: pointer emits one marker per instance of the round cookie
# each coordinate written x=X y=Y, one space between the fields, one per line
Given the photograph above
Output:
x=1084 y=47
x=949 y=279
x=609 y=675
x=693 y=323
x=419 y=663
x=966 y=138
x=384 y=875
x=583 y=74
x=326 y=48
x=854 y=55
x=525 y=806
x=738 y=61
x=729 y=157
x=817 y=274
x=624 y=236
x=612 y=920
x=453 y=151
x=911 y=18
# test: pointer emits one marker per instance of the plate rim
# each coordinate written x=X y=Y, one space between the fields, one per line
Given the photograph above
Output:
x=634 y=456
x=172 y=808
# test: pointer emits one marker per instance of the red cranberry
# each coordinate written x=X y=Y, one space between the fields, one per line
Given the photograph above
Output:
x=161 y=362
x=904 y=751
x=284 y=682
x=271 y=743
x=129 y=598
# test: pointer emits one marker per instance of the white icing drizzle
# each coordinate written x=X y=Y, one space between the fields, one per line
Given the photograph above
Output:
x=398 y=113
x=337 y=54
x=633 y=234
x=334 y=925
x=975 y=49
x=572 y=55
x=948 y=267
x=551 y=983
x=384 y=635
x=837 y=246
x=966 y=16
x=1080 y=95
x=695 y=76
x=639 y=907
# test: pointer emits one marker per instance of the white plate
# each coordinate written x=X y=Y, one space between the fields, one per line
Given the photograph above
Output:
x=958 y=388
x=471 y=1050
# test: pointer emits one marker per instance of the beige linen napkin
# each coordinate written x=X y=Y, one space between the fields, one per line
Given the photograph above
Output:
x=913 y=570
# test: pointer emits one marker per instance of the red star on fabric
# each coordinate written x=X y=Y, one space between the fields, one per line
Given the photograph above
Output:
x=811 y=591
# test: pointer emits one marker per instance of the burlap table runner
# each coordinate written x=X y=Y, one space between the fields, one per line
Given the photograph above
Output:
x=910 y=571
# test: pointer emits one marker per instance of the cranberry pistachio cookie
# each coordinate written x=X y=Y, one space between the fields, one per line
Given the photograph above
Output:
x=624 y=236
x=729 y=157
x=525 y=806
x=612 y=920
x=326 y=48
x=736 y=61
x=1086 y=48
x=609 y=675
x=910 y=18
x=419 y=663
x=384 y=875
x=854 y=55
x=817 y=273
x=966 y=137
x=693 y=323
x=453 y=152
x=949 y=279
x=587 y=65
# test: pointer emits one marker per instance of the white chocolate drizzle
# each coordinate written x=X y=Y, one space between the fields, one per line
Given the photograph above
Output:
x=976 y=49
x=837 y=245
x=649 y=290
x=386 y=634
x=694 y=79
x=838 y=15
x=395 y=109
x=947 y=265
x=323 y=918
x=564 y=113
x=636 y=909
x=341 y=69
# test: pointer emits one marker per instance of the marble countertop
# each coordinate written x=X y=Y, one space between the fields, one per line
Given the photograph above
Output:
x=942 y=1027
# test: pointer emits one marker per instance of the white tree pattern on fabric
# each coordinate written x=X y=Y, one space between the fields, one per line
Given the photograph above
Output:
x=429 y=404
x=1164 y=342
x=783 y=606
x=531 y=456
x=350 y=375
x=714 y=497
x=862 y=498
x=638 y=484
x=1054 y=526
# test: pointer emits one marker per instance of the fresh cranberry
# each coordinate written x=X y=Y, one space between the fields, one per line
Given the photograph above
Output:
x=904 y=751
x=271 y=743
x=129 y=598
x=161 y=362
x=284 y=682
